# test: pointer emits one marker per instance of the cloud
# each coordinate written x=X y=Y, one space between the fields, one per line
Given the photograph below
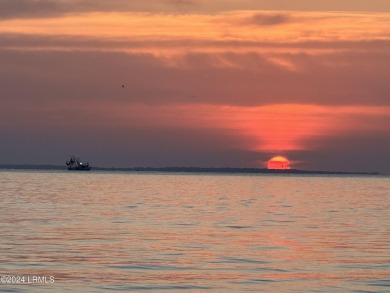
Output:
x=28 y=8
x=268 y=19
x=53 y=8
x=246 y=79
x=182 y=2
x=49 y=8
x=298 y=26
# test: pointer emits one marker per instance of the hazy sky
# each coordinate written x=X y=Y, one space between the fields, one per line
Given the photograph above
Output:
x=206 y=83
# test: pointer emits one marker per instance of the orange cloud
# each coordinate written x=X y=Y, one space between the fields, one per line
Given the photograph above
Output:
x=292 y=27
x=278 y=37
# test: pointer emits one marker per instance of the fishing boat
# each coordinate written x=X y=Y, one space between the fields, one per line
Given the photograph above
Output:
x=75 y=164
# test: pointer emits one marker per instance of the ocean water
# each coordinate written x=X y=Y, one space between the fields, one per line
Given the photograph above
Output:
x=156 y=232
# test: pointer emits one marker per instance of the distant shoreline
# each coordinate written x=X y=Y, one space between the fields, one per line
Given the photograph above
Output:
x=191 y=170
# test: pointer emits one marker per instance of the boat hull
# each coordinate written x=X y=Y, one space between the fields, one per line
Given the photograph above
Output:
x=79 y=168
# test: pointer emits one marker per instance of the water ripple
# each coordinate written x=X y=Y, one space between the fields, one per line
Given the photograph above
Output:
x=199 y=233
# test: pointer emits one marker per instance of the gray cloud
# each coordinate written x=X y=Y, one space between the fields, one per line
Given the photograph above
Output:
x=268 y=19
x=30 y=8
x=78 y=43
x=52 y=8
x=48 y=8
x=343 y=78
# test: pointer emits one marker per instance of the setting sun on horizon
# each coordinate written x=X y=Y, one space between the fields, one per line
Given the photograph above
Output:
x=278 y=163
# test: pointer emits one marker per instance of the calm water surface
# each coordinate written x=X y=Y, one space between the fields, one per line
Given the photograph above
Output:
x=121 y=232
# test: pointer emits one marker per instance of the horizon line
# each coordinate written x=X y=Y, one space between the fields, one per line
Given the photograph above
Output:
x=190 y=169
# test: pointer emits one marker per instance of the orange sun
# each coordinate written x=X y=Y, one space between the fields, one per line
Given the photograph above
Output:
x=278 y=163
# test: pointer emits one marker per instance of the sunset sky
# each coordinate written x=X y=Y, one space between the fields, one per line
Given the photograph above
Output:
x=222 y=83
